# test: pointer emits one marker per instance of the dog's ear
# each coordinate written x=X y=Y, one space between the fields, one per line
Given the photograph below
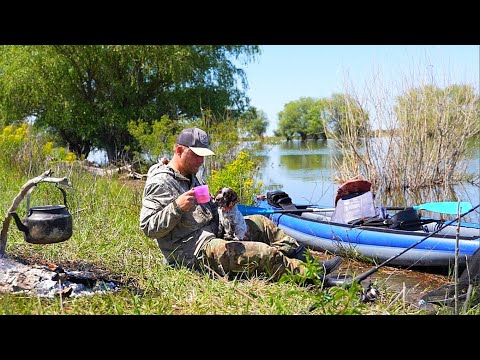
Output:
x=235 y=197
x=219 y=197
x=231 y=196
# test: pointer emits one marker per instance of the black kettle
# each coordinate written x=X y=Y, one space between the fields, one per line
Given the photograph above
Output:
x=45 y=224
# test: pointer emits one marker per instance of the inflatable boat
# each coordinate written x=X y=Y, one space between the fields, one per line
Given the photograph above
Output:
x=376 y=235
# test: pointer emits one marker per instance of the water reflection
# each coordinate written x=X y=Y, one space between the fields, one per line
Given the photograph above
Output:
x=303 y=170
x=305 y=161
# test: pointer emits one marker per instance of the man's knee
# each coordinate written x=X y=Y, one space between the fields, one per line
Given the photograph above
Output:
x=260 y=227
x=215 y=247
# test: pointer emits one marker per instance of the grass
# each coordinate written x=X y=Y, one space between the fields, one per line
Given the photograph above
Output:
x=107 y=240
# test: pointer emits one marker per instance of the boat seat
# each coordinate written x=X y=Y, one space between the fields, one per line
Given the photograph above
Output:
x=281 y=199
x=349 y=209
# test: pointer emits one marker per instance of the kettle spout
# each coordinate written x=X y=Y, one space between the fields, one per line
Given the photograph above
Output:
x=19 y=223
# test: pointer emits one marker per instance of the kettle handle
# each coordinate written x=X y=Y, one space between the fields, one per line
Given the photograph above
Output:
x=64 y=194
x=56 y=185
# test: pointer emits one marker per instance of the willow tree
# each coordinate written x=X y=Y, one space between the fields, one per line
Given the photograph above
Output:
x=435 y=108
x=87 y=95
x=302 y=117
x=346 y=117
x=425 y=143
x=254 y=123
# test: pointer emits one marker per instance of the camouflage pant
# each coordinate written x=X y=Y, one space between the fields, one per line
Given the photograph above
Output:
x=266 y=252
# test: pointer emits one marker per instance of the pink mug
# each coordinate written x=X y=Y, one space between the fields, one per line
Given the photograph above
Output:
x=202 y=194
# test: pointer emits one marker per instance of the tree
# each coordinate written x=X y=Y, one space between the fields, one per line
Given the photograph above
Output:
x=344 y=116
x=155 y=140
x=254 y=122
x=87 y=95
x=434 y=126
x=302 y=118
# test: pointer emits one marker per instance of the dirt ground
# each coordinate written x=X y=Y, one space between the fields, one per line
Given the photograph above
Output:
x=415 y=283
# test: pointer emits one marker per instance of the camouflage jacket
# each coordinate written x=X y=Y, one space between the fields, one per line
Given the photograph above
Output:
x=180 y=235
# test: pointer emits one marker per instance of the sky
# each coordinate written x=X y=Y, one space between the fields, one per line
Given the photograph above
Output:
x=284 y=73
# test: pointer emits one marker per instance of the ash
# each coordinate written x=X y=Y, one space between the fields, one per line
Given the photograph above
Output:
x=49 y=281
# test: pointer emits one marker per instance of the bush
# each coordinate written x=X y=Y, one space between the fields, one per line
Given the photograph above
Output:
x=27 y=153
x=239 y=175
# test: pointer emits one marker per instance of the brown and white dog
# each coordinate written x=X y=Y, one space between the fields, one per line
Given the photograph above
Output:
x=232 y=223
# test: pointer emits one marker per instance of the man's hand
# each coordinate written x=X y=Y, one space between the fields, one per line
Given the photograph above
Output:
x=186 y=201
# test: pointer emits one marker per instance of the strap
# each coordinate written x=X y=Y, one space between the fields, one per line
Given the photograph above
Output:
x=402 y=225
x=411 y=225
x=286 y=203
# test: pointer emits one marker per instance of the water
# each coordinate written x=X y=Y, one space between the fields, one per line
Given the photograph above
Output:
x=98 y=156
x=304 y=170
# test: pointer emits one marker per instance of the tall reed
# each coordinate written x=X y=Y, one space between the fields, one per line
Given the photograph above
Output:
x=415 y=140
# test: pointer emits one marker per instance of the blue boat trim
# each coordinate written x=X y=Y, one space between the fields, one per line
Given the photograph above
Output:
x=379 y=243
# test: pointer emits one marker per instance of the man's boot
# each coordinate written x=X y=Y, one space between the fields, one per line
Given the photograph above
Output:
x=328 y=266
x=300 y=253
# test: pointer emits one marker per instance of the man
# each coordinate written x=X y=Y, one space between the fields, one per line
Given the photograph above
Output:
x=187 y=232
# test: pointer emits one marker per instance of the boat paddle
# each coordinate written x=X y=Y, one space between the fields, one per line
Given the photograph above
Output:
x=253 y=210
x=331 y=281
x=447 y=207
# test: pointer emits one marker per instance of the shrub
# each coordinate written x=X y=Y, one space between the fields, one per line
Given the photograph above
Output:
x=239 y=175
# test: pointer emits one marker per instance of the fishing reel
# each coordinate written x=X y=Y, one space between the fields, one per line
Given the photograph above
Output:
x=370 y=294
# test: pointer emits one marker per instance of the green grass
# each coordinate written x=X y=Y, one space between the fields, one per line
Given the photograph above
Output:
x=107 y=240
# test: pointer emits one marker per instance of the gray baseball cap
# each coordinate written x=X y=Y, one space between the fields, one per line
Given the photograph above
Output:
x=196 y=139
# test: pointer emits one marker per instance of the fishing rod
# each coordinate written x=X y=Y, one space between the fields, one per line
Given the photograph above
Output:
x=331 y=281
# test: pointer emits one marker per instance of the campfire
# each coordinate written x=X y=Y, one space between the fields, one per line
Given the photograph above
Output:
x=44 y=225
x=49 y=281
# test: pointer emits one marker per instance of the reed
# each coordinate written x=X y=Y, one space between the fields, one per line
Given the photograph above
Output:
x=415 y=140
